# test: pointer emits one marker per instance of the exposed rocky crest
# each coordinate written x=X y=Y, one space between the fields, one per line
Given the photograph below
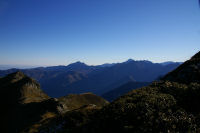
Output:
x=23 y=102
x=26 y=107
x=21 y=89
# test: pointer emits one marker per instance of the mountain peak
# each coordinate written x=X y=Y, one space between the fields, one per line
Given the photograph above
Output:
x=129 y=60
x=78 y=63
x=78 y=66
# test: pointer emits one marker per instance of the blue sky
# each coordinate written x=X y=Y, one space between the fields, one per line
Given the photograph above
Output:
x=59 y=32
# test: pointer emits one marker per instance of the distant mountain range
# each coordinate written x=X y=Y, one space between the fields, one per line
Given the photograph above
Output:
x=78 y=77
x=170 y=104
x=6 y=67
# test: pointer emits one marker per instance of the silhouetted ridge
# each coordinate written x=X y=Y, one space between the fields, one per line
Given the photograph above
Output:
x=78 y=77
x=77 y=64
x=196 y=56
x=187 y=72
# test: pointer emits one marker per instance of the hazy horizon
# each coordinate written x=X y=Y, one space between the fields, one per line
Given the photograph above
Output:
x=89 y=63
x=57 y=32
x=21 y=66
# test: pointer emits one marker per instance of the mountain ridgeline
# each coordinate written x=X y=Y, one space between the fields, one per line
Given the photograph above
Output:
x=79 y=78
x=168 y=105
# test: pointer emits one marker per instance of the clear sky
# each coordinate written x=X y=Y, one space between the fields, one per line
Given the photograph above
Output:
x=59 y=32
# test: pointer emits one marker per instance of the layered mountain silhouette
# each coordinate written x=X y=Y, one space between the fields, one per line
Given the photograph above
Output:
x=25 y=107
x=79 y=78
x=168 y=105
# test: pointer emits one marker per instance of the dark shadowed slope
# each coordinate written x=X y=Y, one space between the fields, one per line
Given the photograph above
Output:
x=22 y=102
x=187 y=72
x=21 y=89
x=25 y=107
x=117 y=92
x=57 y=84
x=163 y=106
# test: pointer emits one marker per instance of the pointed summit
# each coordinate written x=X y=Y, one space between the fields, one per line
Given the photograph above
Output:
x=78 y=63
x=78 y=66
x=129 y=60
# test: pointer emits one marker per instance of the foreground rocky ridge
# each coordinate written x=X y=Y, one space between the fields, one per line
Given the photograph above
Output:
x=26 y=107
